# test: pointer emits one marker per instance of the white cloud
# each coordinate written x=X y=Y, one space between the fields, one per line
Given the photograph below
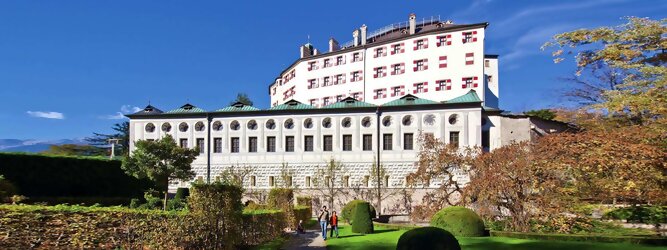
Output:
x=125 y=109
x=47 y=114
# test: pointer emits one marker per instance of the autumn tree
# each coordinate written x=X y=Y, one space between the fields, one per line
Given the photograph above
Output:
x=620 y=164
x=443 y=163
x=634 y=54
x=161 y=161
x=511 y=183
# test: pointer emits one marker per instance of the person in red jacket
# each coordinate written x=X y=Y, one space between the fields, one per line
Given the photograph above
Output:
x=333 y=221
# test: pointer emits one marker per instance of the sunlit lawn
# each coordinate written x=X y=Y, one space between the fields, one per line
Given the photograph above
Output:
x=386 y=239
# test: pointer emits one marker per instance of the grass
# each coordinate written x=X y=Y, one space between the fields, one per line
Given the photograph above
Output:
x=386 y=238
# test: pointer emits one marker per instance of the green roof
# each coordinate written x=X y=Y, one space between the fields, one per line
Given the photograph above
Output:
x=187 y=108
x=469 y=97
x=409 y=100
x=349 y=103
x=292 y=105
x=236 y=107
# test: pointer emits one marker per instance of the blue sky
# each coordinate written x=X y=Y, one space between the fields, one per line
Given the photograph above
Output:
x=70 y=68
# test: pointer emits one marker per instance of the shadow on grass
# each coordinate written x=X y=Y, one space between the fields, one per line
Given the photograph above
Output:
x=547 y=245
x=384 y=231
x=348 y=236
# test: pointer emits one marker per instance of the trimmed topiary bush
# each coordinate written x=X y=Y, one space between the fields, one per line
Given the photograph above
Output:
x=459 y=221
x=182 y=193
x=362 y=219
x=427 y=238
x=348 y=211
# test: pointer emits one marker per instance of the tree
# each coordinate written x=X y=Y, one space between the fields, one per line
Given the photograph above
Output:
x=286 y=175
x=510 y=182
x=75 y=150
x=545 y=114
x=635 y=53
x=161 y=161
x=439 y=161
x=122 y=133
x=235 y=175
x=327 y=180
x=242 y=98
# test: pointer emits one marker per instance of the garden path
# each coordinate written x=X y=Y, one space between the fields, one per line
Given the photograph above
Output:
x=307 y=241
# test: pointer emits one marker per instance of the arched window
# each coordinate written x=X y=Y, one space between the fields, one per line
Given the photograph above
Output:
x=308 y=123
x=289 y=123
x=199 y=126
x=234 y=125
x=453 y=119
x=183 y=127
x=386 y=121
x=347 y=122
x=366 y=122
x=150 y=128
x=407 y=120
x=217 y=126
x=166 y=127
x=326 y=122
x=252 y=125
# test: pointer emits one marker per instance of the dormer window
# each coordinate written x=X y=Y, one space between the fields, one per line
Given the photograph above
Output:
x=349 y=101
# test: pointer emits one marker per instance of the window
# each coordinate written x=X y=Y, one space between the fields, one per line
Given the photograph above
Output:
x=166 y=127
x=289 y=143
x=367 y=182
x=420 y=44
x=356 y=57
x=346 y=181
x=453 y=119
x=380 y=72
x=487 y=63
x=312 y=65
x=386 y=180
x=489 y=78
x=313 y=102
x=326 y=101
x=150 y=128
x=408 y=141
x=217 y=126
x=407 y=120
x=366 y=122
x=443 y=85
x=397 y=91
x=346 y=123
x=252 y=125
x=270 y=124
x=272 y=181
x=252 y=144
x=312 y=83
x=454 y=138
x=347 y=142
x=397 y=69
x=469 y=37
x=327 y=63
x=326 y=122
x=469 y=82
x=253 y=181
x=183 y=143
x=183 y=127
x=200 y=145
x=199 y=126
x=357 y=96
x=308 y=143
x=270 y=144
x=235 y=145
x=308 y=123
x=444 y=40
x=339 y=79
x=380 y=93
x=368 y=142
x=420 y=88
x=289 y=124
x=235 y=125
x=420 y=65
x=470 y=58
x=339 y=60
x=443 y=61
x=326 y=81
x=339 y=98
x=397 y=48
x=327 y=143
x=386 y=121
x=217 y=145
x=486 y=139
x=308 y=181
x=379 y=52
x=386 y=142
x=356 y=76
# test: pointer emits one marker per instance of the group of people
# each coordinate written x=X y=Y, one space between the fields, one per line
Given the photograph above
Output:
x=328 y=220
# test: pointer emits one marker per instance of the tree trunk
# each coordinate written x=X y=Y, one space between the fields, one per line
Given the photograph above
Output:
x=166 y=195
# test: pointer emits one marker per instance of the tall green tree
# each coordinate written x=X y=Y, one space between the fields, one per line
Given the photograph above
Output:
x=634 y=53
x=161 y=161
x=242 y=98
x=122 y=132
x=545 y=114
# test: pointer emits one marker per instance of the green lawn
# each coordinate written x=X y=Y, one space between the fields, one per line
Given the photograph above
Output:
x=386 y=239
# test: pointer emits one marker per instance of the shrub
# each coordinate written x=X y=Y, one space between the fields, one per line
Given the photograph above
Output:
x=304 y=201
x=427 y=238
x=348 y=211
x=649 y=240
x=152 y=202
x=459 y=221
x=182 y=193
x=217 y=212
x=640 y=214
x=176 y=204
x=283 y=199
x=361 y=219
x=134 y=203
x=7 y=189
x=69 y=176
x=303 y=213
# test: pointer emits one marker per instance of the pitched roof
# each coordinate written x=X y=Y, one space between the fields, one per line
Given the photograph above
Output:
x=149 y=110
x=236 y=107
x=409 y=100
x=471 y=96
x=187 y=108
x=292 y=105
x=349 y=103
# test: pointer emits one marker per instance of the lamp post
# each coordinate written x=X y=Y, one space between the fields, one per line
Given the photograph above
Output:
x=113 y=142
x=377 y=166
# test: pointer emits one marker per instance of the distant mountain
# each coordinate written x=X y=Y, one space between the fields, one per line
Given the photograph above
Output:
x=34 y=146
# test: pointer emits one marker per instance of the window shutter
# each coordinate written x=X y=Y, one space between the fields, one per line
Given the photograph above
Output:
x=438 y=41
x=361 y=76
x=425 y=64
x=415 y=45
x=425 y=43
x=343 y=78
x=393 y=50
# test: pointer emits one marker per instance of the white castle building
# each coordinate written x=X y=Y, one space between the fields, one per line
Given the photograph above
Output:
x=368 y=98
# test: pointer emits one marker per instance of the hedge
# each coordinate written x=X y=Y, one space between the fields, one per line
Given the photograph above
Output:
x=661 y=241
x=348 y=210
x=433 y=238
x=283 y=199
x=303 y=213
x=63 y=176
x=459 y=221
x=361 y=219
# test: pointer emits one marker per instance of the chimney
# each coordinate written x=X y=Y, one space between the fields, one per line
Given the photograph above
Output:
x=333 y=45
x=363 y=34
x=316 y=52
x=355 y=37
x=412 y=21
x=306 y=50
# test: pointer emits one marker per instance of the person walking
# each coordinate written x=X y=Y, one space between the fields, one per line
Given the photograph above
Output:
x=334 y=224
x=324 y=220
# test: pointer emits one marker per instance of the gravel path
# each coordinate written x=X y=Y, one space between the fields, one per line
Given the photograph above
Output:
x=312 y=239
